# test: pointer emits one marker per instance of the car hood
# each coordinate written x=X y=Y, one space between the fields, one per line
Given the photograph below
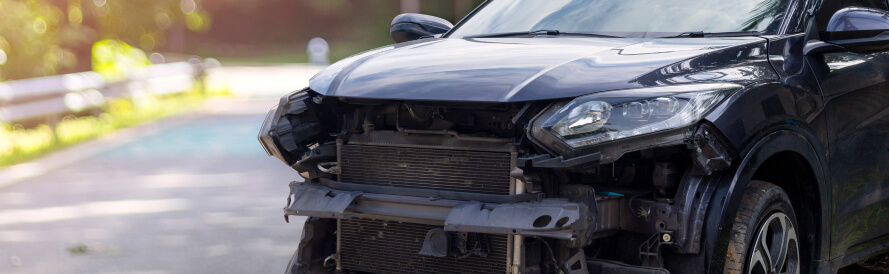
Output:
x=526 y=69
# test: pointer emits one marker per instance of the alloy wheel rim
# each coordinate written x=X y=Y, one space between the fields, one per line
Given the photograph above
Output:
x=775 y=248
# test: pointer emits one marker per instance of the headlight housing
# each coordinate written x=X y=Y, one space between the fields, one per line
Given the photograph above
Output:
x=608 y=116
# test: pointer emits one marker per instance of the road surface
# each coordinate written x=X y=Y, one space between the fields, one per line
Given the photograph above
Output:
x=196 y=194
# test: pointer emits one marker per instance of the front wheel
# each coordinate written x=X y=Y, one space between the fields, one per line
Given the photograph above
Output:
x=764 y=235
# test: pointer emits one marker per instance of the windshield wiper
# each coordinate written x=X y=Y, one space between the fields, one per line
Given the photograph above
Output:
x=545 y=32
x=701 y=34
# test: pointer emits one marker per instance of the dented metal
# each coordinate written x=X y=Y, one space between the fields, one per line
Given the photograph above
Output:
x=555 y=218
x=546 y=219
x=318 y=201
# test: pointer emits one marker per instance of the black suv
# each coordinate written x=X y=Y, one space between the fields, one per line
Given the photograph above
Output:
x=597 y=136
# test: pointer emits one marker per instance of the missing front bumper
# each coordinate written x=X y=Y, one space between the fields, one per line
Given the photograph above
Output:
x=574 y=218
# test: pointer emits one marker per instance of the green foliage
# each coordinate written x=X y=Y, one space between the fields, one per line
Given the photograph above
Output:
x=18 y=144
x=115 y=59
x=73 y=130
x=148 y=23
x=48 y=37
x=26 y=141
x=29 y=40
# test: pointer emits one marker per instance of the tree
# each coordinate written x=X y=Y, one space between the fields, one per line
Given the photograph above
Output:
x=30 y=40
x=46 y=37
x=150 y=24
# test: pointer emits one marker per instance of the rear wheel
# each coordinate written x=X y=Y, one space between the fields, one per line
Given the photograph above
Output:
x=764 y=233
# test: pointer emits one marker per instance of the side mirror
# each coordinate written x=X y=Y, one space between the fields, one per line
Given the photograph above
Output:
x=412 y=26
x=855 y=29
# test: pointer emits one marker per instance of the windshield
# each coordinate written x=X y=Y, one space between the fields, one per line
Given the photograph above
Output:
x=625 y=18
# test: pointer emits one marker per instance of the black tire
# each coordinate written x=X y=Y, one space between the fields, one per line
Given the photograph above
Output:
x=761 y=226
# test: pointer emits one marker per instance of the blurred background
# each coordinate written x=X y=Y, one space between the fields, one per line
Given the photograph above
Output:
x=128 y=127
x=49 y=37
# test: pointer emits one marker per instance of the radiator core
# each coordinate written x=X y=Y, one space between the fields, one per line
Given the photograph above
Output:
x=391 y=247
x=437 y=169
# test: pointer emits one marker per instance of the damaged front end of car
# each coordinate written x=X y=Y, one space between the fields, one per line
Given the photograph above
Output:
x=597 y=183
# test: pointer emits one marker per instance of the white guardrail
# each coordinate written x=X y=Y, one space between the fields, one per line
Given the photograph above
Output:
x=56 y=96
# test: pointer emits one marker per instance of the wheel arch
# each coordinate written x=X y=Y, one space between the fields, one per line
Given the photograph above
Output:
x=783 y=149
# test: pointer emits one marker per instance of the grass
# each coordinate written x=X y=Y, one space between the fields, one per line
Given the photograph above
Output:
x=18 y=145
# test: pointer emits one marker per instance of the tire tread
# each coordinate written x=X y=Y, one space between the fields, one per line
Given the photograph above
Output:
x=758 y=197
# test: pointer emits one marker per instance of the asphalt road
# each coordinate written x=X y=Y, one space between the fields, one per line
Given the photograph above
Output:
x=196 y=194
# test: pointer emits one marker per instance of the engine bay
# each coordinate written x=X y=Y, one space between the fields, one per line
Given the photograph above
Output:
x=473 y=173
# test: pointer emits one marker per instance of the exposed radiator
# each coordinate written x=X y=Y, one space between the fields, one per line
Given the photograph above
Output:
x=437 y=169
x=391 y=247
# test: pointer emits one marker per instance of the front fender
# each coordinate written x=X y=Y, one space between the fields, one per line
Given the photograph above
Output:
x=731 y=190
x=760 y=121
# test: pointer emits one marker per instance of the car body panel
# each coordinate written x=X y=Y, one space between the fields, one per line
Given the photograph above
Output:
x=856 y=95
x=527 y=69
x=789 y=111
x=783 y=138
x=830 y=110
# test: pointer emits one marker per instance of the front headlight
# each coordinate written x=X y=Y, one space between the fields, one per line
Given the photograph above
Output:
x=613 y=115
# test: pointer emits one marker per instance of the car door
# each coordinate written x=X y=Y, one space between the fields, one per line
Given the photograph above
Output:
x=856 y=95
